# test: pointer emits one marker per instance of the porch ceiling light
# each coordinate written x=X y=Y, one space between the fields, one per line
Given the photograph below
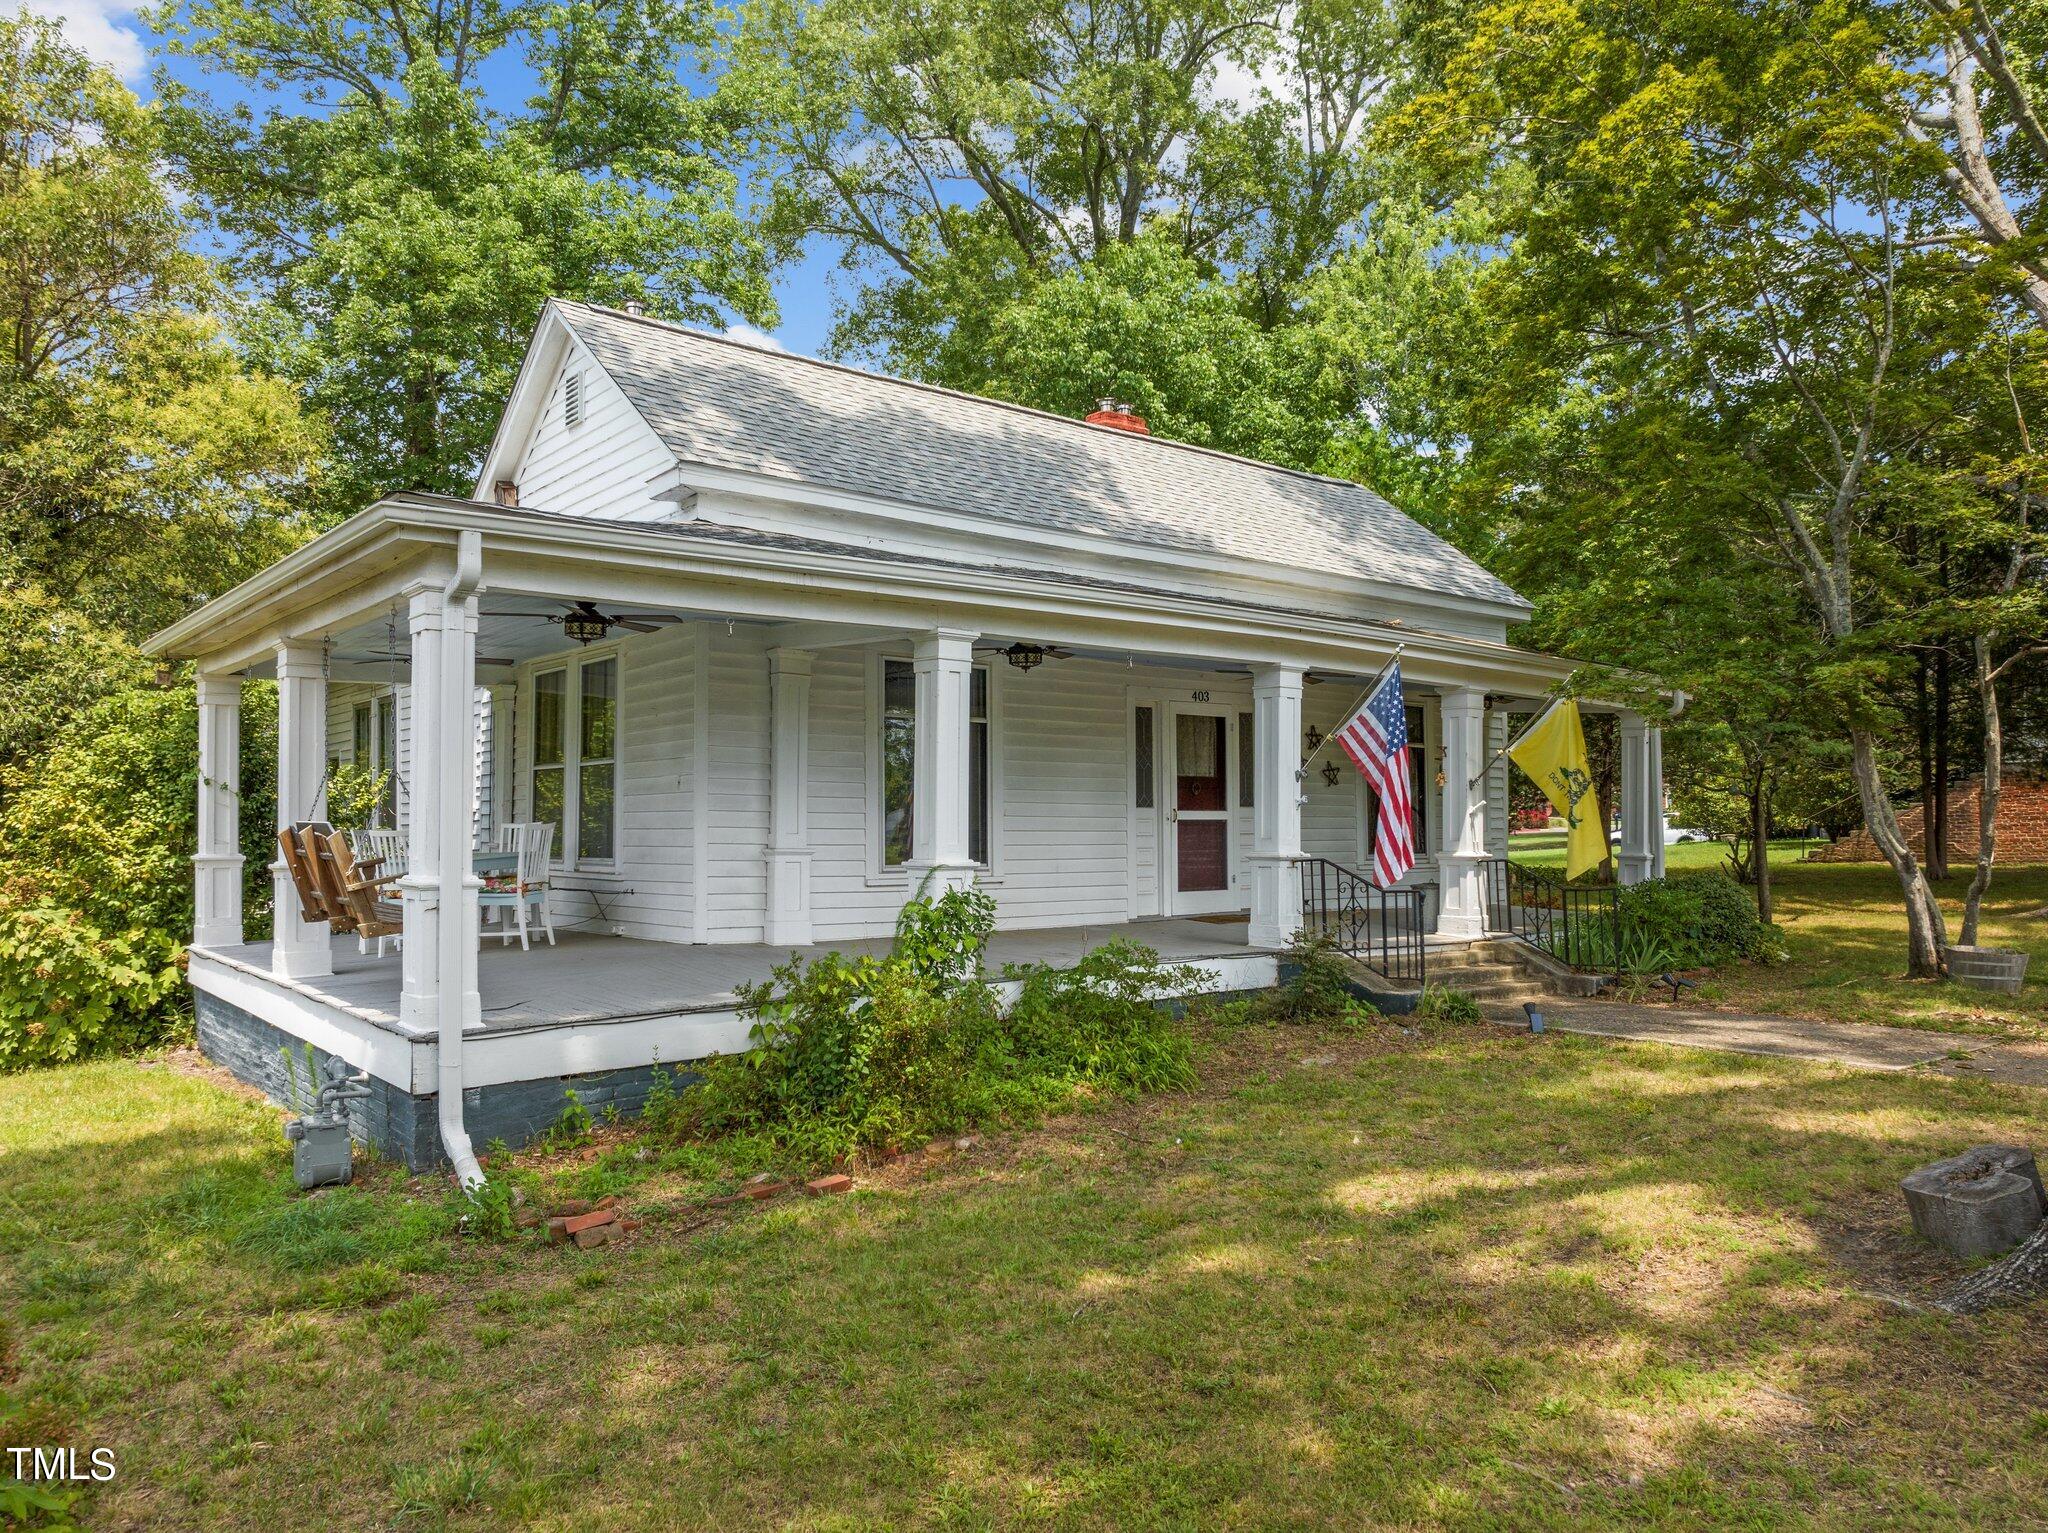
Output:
x=1026 y=656
x=585 y=628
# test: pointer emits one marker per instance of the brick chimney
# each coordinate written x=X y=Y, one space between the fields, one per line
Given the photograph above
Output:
x=1118 y=416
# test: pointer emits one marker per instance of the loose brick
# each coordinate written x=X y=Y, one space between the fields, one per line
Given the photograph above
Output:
x=759 y=1190
x=826 y=1185
x=594 y=1235
x=609 y=1200
x=527 y=1218
x=572 y=1209
x=726 y=1200
x=595 y=1219
x=628 y=1224
x=558 y=1232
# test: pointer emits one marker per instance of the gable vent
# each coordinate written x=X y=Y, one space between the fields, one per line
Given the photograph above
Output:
x=572 y=399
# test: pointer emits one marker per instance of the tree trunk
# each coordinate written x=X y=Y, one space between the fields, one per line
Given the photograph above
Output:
x=1934 y=813
x=2021 y=1274
x=1987 y=794
x=1760 y=844
x=1926 y=932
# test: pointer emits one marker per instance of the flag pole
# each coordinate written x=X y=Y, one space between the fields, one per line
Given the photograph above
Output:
x=1538 y=718
x=1301 y=772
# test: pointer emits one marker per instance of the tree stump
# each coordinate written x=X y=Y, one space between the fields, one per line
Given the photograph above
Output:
x=1983 y=1202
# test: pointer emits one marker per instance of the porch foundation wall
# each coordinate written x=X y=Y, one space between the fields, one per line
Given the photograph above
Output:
x=402 y=1125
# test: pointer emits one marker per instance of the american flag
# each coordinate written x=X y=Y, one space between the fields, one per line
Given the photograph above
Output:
x=1376 y=740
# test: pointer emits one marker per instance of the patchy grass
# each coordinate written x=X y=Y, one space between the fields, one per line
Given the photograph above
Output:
x=1846 y=934
x=1461 y=1279
x=1545 y=849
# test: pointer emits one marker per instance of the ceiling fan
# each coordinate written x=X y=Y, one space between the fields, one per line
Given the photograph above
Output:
x=1025 y=656
x=586 y=625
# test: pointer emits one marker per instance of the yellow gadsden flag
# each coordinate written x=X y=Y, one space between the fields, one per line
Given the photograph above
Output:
x=1553 y=752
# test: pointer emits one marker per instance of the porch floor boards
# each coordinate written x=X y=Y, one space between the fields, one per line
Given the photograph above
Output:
x=591 y=977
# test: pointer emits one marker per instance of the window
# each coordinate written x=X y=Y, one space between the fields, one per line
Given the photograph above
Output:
x=1144 y=754
x=597 y=713
x=550 y=692
x=899 y=756
x=374 y=742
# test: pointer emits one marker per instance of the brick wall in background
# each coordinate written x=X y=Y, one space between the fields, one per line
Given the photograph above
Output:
x=2022 y=827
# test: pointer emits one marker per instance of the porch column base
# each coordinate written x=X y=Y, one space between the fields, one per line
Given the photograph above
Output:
x=937 y=878
x=1276 y=900
x=1461 y=908
x=789 y=897
x=1632 y=868
x=217 y=899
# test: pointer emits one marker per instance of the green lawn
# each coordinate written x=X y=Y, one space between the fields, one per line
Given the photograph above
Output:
x=1463 y=1279
x=1845 y=930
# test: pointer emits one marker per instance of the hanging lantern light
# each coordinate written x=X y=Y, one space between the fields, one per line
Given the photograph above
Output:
x=1025 y=657
x=585 y=628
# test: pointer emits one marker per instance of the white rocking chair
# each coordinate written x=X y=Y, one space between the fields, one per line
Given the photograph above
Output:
x=535 y=845
x=387 y=849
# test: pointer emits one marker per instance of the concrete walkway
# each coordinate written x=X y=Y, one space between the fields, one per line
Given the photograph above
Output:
x=1863 y=1046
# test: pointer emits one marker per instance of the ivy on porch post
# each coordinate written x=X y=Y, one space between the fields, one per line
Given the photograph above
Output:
x=943 y=661
x=1461 y=911
x=1276 y=805
x=1638 y=816
x=217 y=865
x=789 y=820
x=299 y=948
x=439 y=890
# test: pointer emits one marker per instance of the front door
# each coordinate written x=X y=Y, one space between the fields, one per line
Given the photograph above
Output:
x=1198 y=814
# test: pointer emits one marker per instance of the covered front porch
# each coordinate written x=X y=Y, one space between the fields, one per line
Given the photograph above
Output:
x=751 y=745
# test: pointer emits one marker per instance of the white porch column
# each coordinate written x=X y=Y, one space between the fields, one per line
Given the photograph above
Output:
x=941 y=772
x=1276 y=805
x=1463 y=909
x=1632 y=863
x=439 y=891
x=299 y=949
x=217 y=866
x=1654 y=798
x=789 y=815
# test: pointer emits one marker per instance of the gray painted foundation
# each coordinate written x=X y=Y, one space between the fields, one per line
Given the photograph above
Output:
x=402 y=1125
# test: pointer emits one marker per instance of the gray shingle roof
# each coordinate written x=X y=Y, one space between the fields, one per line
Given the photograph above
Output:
x=726 y=404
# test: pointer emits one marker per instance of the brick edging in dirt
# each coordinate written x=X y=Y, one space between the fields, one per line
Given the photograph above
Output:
x=1859 y=1045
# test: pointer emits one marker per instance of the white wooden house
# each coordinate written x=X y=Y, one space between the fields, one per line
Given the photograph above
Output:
x=878 y=636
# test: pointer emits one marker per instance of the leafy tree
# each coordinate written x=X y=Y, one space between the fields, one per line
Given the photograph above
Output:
x=1717 y=266
x=960 y=152
x=142 y=464
x=54 y=665
x=402 y=231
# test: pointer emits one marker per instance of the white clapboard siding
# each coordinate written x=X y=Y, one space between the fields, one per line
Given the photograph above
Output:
x=604 y=465
x=843 y=902
x=736 y=804
x=1496 y=784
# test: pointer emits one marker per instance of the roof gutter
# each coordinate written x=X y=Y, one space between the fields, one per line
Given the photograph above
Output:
x=454 y=946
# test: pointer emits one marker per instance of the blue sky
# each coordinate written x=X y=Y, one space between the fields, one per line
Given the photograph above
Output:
x=114 y=34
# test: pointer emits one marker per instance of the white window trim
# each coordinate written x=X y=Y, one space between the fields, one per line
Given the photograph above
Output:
x=878 y=874
x=568 y=854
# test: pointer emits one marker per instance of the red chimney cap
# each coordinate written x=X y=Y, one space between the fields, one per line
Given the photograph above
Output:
x=1118 y=416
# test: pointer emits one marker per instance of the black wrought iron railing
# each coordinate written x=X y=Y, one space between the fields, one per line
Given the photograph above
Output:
x=1381 y=928
x=1578 y=924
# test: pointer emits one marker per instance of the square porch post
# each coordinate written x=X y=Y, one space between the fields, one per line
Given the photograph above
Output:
x=789 y=820
x=299 y=949
x=1633 y=863
x=943 y=662
x=217 y=865
x=439 y=891
x=1462 y=909
x=1276 y=805
x=1654 y=799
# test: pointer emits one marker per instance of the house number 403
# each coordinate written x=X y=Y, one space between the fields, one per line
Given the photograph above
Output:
x=1201 y=697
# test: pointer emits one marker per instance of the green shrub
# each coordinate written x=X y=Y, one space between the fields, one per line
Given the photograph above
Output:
x=1729 y=926
x=1317 y=989
x=870 y=1052
x=1690 y=922
x=1440 y=1003
x=69 y=990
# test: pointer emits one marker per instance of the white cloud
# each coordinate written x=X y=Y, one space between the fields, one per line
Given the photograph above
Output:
x=740 y=330
x=92 y=25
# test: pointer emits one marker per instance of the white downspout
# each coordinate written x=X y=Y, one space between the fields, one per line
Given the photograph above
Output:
x=456 y=943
